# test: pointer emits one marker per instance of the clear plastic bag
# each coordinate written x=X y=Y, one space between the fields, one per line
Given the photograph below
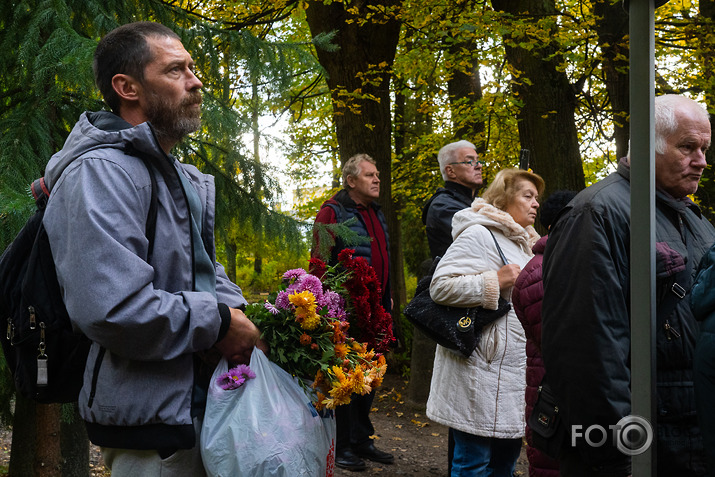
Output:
x=267 y=427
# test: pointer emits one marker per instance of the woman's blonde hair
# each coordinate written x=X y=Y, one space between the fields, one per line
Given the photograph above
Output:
x=505 y=186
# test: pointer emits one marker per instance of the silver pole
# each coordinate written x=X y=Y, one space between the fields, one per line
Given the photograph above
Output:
x=642 y=137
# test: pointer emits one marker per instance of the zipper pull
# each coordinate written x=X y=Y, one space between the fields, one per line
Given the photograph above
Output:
x=670 y=332
x=33 y=318
x=42 y=358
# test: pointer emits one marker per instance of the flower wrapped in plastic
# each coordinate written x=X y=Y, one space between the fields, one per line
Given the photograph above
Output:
x=307 y=329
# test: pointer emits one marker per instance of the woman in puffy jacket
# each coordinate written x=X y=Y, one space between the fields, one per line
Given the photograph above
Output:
x=481 y=398
x=527 y=296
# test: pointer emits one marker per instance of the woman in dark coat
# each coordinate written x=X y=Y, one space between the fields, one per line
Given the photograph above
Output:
x=526 y=298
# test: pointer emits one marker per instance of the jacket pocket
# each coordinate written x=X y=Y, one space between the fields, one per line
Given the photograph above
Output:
x=95 y=375
x=489 y=342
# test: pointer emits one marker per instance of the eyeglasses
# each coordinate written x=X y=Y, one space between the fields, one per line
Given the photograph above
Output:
x=472 y=163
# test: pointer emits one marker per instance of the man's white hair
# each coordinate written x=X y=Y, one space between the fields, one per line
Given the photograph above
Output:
x=666 y=118
x=448 y=154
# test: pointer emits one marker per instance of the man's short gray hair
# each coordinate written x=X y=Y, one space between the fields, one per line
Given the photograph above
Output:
x=448 y=154
x=666 y=120
x=352 y=167
x=665 y=108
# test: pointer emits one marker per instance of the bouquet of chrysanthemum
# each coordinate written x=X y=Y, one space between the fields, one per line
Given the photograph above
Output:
x=306 y=329
x=359 y=286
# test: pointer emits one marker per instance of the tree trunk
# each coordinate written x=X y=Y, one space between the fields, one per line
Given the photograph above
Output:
x=465 y=94
x=22 y=455
x=705 y=42
x=75 y=443
x=546 y=121
x=230 y=259
x=358 y=75
x=421 y=359
x=48 y=458
x=612 y=29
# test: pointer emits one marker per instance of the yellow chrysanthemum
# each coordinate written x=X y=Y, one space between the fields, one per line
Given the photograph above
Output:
x=359 y=347
x=320 y=403
x=330 y=403
x=342 y=386
x=341 y=350
x=358 y=379
x=304 y=299
x=310 y=321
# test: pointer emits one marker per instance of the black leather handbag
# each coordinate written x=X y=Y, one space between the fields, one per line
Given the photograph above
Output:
x=453 y=327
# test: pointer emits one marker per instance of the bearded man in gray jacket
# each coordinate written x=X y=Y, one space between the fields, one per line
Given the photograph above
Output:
x=147 y=314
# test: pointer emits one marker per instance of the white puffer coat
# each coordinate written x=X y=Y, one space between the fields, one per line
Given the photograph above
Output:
x=483 y=394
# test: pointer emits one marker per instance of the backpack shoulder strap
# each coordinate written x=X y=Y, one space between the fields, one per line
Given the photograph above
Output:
x=40 y=192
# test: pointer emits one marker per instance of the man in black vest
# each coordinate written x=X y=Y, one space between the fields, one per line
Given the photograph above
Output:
x=462 y=174
x=361 y=184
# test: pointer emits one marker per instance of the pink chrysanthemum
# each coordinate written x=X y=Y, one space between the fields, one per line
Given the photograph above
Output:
x=268 y=306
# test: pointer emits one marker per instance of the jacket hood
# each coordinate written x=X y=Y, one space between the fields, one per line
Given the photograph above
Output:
x=483 y=213
x=102 y=129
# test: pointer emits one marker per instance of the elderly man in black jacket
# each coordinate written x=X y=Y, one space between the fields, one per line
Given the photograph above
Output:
x=462 y=174
x=586 y=308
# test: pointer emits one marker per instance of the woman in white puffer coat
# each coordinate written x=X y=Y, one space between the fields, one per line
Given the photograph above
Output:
x=481 y=398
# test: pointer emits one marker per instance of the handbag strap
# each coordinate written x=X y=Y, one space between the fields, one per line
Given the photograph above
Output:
x=501 y=254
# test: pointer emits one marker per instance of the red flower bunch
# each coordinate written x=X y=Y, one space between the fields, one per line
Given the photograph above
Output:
x=368 y=319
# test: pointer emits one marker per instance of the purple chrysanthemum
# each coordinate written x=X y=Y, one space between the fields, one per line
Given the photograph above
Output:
x=335 y=304
x=282 y=301
x=312 y=284
x=235 y=377
x=294 y=273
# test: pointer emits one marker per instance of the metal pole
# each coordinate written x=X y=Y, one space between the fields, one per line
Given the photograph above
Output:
x=642 y=137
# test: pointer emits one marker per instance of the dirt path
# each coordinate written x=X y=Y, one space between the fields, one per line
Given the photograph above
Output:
x=418 y=444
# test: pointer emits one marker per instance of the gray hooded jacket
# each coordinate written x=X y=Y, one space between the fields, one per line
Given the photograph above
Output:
x=143 y=317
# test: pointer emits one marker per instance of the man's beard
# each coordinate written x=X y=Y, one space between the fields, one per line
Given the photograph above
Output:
x=171 y=121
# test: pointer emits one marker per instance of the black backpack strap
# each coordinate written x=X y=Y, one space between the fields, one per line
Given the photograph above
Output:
x=40 y=192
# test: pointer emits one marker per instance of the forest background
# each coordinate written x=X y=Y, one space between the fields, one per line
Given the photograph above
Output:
x=293 y=88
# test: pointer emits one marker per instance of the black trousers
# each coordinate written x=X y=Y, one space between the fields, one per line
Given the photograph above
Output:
x=352 y=421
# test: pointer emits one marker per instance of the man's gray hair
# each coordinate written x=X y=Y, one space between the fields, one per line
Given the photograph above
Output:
x=448 y=154
x=352 y=167
x=666 y=118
